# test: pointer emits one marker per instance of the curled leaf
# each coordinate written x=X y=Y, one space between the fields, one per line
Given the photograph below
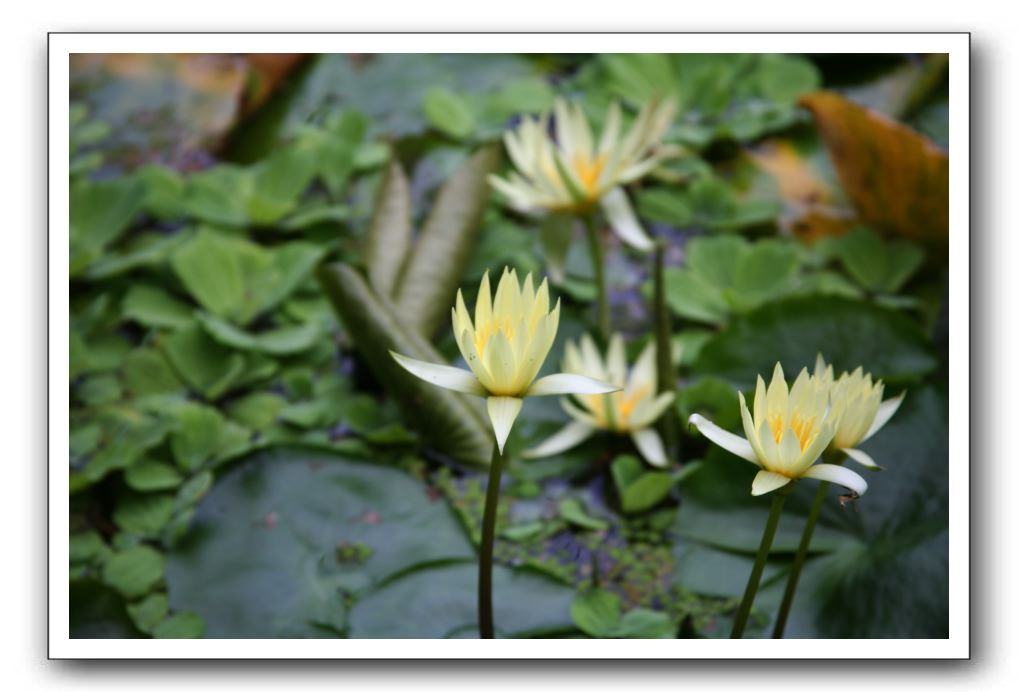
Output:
x=449 y=421
x=428 y=283
x=895 y=177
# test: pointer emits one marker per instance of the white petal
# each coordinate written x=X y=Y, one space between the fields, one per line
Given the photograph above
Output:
x=577 y=413
x=650 y=446
x=649 y=410
x=568 y=437
x=644 y=372
x=837 y=474
x=566 y=383
x=502 y=410
x=616 y=359
x=863 y=458
x=884 y=413
x=738 y=446
x=766 y=482
x=442 y=375
x=623 y=220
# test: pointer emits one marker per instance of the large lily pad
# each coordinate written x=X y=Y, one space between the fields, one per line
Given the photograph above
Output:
x=848 y=333
x=442 y=603
x=285 y=537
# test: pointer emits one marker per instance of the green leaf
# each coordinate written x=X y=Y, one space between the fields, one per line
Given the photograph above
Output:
x=87 y=546
x=180 y=626
x=134 y=571
x=149 y=612
x=390 y=233
x=712 y=398
x=717 y=258
x=218 y=195
x=448 y=112
x=146 y=371
x=257 y=411
x=100 y=213
x=148 y=475
x=428 y=284
x=298 y=508
x=98 y=389
x=793 y=331
x=202 y=363
x=597 y=612
x=164 y=191
x=783 y=78
x=573 y=511
x=154 y=307
x=446 y=419
x=863 y=254
x=641 y=623
x=144 y=514
x=875 y=264
x=279 y=181
x=194 y=489
x=197 y=437
x=639 y=489
x=689 y=295
x=765 y=272
x=281 y=341
x=209 y=267
x=144 y=250
x=236 y=279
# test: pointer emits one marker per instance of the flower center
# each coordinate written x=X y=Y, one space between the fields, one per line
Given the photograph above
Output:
x=804 y=429
x=483 y=335
x=623 y=407
x=588 y=170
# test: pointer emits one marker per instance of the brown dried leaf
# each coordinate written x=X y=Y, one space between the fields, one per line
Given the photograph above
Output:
x=896 y=178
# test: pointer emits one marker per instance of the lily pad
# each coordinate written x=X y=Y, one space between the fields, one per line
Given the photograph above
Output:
x=442 y=602
x=260 y=559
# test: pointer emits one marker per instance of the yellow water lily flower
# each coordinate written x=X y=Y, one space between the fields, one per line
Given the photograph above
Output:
x=857 y=408
x=631 y=411
x=786 y=434
x=571 y=174
x=504 y=346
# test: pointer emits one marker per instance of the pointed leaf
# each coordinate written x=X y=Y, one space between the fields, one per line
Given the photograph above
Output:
x=450 y=421
x=390 y=233
x=432 y=272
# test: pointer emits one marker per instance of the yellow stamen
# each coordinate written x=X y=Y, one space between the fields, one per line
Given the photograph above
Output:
x=589 y=171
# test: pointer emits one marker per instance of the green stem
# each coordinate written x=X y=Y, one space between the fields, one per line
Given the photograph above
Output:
x=486 y=620
x=742 y=616
x=597 y=258
x=836 y=458
x=800 y=558
x=665 y=366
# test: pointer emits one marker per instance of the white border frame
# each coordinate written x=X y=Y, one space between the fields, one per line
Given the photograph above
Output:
x=957 y=646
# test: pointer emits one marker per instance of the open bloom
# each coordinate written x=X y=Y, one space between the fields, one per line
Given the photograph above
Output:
x=786 y=434
x=857 y=409
x=504 y=346
x=571 y=174
x=631 y=411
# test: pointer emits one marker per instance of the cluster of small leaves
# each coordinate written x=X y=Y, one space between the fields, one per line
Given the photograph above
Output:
x=198 y=336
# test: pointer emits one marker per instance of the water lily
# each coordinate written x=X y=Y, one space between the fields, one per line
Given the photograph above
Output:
x=505 y=345
x=631 y=411
x=786 y=433
x=857 y=408
x=570 y=173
